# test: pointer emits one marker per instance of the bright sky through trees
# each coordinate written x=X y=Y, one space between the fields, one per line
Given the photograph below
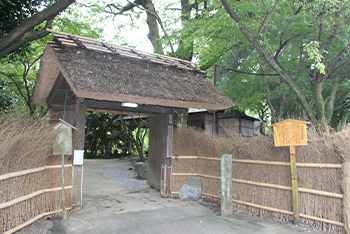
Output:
x=121 y=29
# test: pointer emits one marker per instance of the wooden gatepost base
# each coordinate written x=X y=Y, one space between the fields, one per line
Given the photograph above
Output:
x=77 y=186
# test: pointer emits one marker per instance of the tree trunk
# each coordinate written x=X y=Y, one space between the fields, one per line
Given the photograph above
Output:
x=319 y=102
x=140 y=151
x=107 y=154
x=185 y=51
x=273 y=64
x=153 y=34
x=93 y=149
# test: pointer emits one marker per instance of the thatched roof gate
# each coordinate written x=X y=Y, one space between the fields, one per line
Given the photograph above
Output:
x=85 y=74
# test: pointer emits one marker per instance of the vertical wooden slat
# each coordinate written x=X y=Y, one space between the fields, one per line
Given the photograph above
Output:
x=165 y=182
x=77 y=177
x=294 y=185
x=167 y=191
x=78 y=144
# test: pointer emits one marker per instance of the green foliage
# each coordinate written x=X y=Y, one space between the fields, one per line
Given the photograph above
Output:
x=108 y=135
x=19 y=71
x=306 y=39
x=5 y=100
x=103 y=133
x=312 y=50
x=78 y=24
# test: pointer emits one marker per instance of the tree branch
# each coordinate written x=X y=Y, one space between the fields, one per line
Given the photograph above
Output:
x=342 y=96
x=17 y=36
x=344 y=62
x=344 y=104
x=267 y=18
x=267 y=58
x=279 y=50
x=14 y=81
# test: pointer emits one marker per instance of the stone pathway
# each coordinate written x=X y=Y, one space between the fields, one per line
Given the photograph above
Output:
x=110 y=206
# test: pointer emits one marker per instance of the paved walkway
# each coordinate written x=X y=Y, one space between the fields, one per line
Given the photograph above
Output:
x=109 y=208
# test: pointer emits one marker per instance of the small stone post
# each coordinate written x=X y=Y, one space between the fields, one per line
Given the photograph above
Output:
x=226 y=184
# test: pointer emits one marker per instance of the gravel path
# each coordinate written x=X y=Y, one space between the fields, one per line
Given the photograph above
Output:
x=126 y=177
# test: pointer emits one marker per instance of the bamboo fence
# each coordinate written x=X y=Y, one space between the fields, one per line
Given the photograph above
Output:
x=32 y=194
x=261 y=177
x=30 y=176
x=307 y=191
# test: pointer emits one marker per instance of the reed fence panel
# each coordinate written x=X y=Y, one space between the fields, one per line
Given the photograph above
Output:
x=26 y=195
x=262 y=177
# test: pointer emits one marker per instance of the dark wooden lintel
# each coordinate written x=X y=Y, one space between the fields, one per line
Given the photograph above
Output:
x=117 y=106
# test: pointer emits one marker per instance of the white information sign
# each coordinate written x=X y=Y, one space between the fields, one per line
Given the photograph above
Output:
x=78 y=157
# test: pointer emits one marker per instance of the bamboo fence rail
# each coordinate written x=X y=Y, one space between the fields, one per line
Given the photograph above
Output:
x=19 y=227
x=260 y=184
x=261 y=176
x=29 y=196
x=274 y=163
x=280 y=211
x=29 y=171
x=303 y=190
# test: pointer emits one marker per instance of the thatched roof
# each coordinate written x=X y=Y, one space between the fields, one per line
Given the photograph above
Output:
x=101 y=71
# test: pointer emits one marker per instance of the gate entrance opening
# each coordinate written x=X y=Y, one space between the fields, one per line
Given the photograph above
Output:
x=78 y=74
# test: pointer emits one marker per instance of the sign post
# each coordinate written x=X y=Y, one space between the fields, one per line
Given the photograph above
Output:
x=291 y=133
x=63 y=146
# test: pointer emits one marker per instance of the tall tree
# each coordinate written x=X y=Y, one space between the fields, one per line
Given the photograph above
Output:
x=164 y=34
x=165 y=24
x=294 y=37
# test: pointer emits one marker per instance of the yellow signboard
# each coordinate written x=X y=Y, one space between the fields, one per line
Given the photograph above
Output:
x=290 y=133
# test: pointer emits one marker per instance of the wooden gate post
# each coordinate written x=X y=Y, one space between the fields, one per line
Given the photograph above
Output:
x=165 y=181
x=78 y=144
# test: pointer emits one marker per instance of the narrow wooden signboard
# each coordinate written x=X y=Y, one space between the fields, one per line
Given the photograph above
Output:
x=291 y=133
x=63 y=146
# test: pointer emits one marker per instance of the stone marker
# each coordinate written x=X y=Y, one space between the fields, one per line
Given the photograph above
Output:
x=191 y=189
x=141 y=169
x=226 y=184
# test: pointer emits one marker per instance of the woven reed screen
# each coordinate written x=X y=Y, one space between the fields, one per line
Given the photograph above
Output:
x=20 y=186
x=188 y=142
x=26 y=143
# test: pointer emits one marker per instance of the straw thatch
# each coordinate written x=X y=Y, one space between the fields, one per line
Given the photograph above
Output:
x=320 y=150
x=100 y=71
